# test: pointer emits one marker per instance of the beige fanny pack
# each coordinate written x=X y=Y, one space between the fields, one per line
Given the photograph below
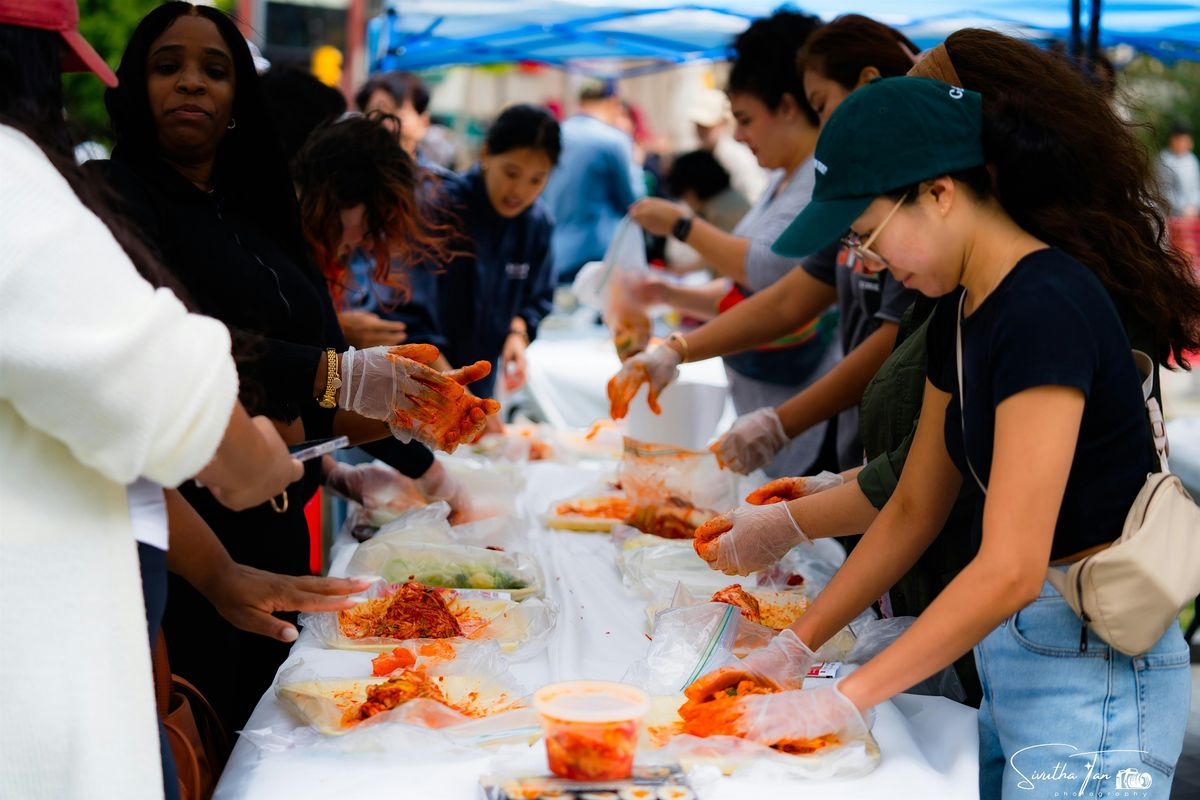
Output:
x=1130 y=592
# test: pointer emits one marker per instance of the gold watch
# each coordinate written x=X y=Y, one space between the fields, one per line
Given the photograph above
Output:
x=332 y=381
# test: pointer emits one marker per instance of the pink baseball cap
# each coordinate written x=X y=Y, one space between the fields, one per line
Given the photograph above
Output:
x=61 y=16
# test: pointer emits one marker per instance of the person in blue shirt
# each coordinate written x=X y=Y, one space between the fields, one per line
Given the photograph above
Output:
x=488 y=301
x=594 y=185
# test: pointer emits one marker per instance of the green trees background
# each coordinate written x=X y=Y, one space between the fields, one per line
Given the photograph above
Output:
x=1157 y=95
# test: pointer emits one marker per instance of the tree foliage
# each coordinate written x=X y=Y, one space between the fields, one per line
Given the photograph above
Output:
x=107 y=25
x=1155 y=95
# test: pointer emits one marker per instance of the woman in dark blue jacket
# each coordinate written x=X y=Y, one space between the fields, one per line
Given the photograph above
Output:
x=488 y=301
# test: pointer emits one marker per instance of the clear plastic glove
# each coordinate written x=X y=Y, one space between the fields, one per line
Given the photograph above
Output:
x=647 y=289
x=513 y=366
x=801 y=714
x=752 y=441
x=657 y=366
x=748 y=539
x=438 y=484
x=370 y=485
x=397 y=385
x=782 y=664
x=782 y=490
x=631 y=330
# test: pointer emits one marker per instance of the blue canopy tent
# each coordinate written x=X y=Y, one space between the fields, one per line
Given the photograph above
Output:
x=422 y=34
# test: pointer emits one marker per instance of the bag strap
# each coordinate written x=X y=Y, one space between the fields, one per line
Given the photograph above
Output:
x=1158 y=429
x=162 y=677
x=962 y=398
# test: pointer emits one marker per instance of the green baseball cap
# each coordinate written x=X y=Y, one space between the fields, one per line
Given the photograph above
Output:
x=891 y=133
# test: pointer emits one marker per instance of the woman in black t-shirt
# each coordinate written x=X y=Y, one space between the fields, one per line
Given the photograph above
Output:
x=1049 y=417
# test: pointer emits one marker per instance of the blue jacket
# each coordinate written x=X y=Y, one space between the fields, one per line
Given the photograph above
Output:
x=505 y=271
x=589 y=191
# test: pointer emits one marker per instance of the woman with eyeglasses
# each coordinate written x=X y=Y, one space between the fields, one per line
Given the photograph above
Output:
x=1000 y=68
x=1031 y=392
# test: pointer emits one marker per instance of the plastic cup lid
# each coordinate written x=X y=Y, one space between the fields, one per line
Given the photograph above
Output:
x=591 y=701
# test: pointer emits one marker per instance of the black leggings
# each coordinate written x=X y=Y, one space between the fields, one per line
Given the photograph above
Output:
x=154 y=589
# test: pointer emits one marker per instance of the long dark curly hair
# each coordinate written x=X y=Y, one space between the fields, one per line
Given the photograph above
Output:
x=359 y=161
x=1070 y=171
x=250 y=170
x=764 y=60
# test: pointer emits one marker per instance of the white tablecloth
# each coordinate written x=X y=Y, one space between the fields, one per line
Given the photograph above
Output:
x=568 y=378
x=928 y=745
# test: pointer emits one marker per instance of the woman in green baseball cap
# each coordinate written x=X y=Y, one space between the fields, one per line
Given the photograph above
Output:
x=1040 y=405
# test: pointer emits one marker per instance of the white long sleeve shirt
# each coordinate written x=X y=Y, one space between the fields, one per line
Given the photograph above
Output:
x=102 y=379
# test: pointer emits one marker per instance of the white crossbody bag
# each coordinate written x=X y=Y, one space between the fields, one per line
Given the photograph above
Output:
x=1132 y=591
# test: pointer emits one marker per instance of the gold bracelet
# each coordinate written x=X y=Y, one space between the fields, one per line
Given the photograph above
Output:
x=332 y=381
x=676 y=336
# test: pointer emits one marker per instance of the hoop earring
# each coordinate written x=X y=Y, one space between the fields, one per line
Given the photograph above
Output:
x=232 y=124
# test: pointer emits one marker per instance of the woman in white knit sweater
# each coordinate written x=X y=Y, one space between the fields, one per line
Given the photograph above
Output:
x=102 y=379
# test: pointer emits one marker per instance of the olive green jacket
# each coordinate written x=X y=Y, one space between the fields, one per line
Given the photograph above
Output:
x=888 y=417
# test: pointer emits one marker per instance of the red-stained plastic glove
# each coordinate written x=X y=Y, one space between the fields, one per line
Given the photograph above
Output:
x=397 y=385
x=752 y=442
x=753 y=538
x=782 y=664
x=657 y=366
x=783 y=489
x=369 y=485
x=801 y=714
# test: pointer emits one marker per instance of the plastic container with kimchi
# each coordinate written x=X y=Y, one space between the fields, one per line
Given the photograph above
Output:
x=591 y=728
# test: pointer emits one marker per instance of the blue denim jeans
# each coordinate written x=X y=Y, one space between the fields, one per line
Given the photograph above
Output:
x=1058 y=721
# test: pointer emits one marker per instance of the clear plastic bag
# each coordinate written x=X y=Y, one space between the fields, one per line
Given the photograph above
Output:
x=655 y=570
x=428 y=523
x=523 y=444
x=687 y=642
x=692 y=641
x=402 y=732
x=778 y=609
x=520 y=628
x=654 y=475
x=803 y=567
x=624 y=270
x=752 y=760
x=492 y=488
x=596 y=508
x=451 y=566
x=872 y=636
x=478 y=680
